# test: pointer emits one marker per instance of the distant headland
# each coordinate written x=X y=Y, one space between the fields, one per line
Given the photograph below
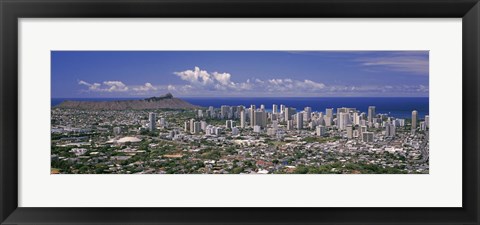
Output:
x=166 y=101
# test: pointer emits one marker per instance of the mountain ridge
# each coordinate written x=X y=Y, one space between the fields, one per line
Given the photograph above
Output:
x=166 y=101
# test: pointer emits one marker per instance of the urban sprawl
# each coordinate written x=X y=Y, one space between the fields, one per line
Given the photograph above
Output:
x=237 y=140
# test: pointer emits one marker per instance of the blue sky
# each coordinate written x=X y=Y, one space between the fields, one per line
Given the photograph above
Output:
x=97 y=74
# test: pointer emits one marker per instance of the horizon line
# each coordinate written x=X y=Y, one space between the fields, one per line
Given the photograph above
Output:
x=248 y=97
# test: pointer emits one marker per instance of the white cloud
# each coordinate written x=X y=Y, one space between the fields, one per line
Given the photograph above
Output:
x=145 y=88
x=171 y=88
x=203 y=80
x=410 y=62
x=196 y=76
x=115 y=86
x=92 y=87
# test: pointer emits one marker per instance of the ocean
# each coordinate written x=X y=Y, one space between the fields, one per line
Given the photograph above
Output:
x=399 y=107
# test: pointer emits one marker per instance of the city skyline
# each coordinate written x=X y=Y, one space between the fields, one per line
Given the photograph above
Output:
x=134 y=74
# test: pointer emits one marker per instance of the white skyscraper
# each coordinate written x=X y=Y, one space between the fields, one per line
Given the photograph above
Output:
x=252 y=115
x=414 y=119
x=356 y=118
x=282 y=108
x=289 y=124
x=307 y=113
x=299 y=118
x=329 y=113
x=328 y=121
x=152 y=120
x=186 y=126
x=192 y=126
x=275 y=109
x=343 y=120
x=427 y=121
x=349 y=131
x=242 y=119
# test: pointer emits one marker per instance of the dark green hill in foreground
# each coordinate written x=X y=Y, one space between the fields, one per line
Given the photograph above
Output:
x=166 y=101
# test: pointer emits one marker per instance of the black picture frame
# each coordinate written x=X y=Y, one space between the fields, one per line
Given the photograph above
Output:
x=12 y=10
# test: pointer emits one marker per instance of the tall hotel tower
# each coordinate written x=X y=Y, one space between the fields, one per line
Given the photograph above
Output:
x=252 y=115
x=152 y=120
x=371 y=114
x=414 y=119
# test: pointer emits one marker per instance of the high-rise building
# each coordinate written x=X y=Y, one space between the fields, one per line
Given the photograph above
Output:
x=343 y=120
x=299 y=118
x=328 y=121
x=320 y=131
x=197 y=127
x=211 y=111
x=356 y=118
x=186 y=126
x=200 y=113
x=282 y=108
x=329 y=113
x=192 y=125
x=289 y=124
x=343 y=110
x=371 y=115
x=307 y=113
x=252 y=115
x=257 y=129
x=152 y=120
x=289 y=112
x=367 y=137
x=260 y=118
x=228 y=124
x=224 y=110
x=203 y=125
x=427 y=121
x=239 y=110
x=349 y=131
x=389 y=130
x=275 y=109
x=414 y=119
x=262 y=107
x=242 y=119
x=423 y=126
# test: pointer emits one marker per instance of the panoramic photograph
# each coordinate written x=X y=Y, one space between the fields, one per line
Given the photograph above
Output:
x=239 y=112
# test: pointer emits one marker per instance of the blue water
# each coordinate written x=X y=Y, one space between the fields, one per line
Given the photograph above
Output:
x=397 y=107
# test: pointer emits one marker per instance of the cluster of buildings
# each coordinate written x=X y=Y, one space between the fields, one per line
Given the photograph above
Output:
x=350 y=121
x=237 y=139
